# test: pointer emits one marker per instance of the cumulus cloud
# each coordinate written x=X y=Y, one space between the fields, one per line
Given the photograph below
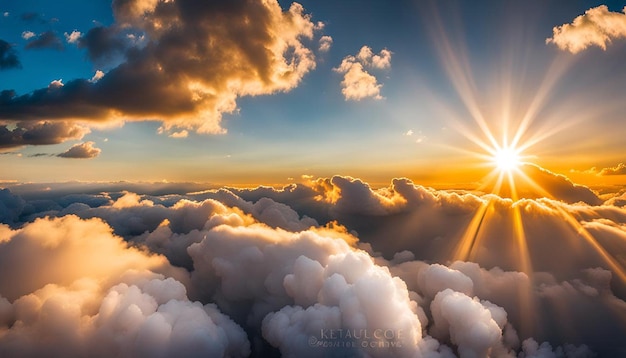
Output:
x=39 y=133
x=92 y=294
x=97 y=76
x=357 y=82
x=380 y=61
x=72 y=37
x=596 y=27
x=554 y=185
x=325 y=43
x=196 y=60
x=301 y=281
x=8 y=56
x=27 y=35
x=620 y=169
x=48 y=39
x=84 y=150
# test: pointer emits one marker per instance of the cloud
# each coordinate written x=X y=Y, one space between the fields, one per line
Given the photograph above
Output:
x=100 y=297
x=325 y=43
x=39 y=133
x=47 y=39
x=620 y=169
x=196 y=60
x=8 y=56
x=103 y=44
x=367 y=57
x=11 y=206
x=72 y=37
x=554 y=185
x=301 y=280
x=30 y=16
x=180 y=134
x=597 y=26
x=357 y=83
x=97 y=76
x=84 y=150
x=27 y=35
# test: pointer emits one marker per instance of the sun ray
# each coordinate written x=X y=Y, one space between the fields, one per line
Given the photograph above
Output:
x=504 y=130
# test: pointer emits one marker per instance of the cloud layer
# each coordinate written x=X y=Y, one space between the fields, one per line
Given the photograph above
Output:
x=248 y=274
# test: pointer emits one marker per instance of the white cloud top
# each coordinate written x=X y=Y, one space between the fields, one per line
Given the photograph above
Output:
x=596 y=27
x=357 y=82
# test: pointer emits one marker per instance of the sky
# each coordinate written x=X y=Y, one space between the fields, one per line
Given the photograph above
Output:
x=411 y=113
x=198 y=178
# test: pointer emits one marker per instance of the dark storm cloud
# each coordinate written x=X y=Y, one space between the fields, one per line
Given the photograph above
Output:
x=39 y=133
x=182 y=62
x=84 y=150
x=48 y=39
x=8 y=56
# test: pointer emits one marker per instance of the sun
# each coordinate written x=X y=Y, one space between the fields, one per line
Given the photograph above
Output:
x=506 y=159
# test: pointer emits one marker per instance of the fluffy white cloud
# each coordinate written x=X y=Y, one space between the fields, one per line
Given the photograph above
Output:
x=357 y=83
x=325 y=43
x=259 y=265
x=27 y=35
x=597 y=26
x=72 y=37
x=71 y=288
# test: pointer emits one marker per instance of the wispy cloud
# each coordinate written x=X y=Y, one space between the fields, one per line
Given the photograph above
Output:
x=48 y=39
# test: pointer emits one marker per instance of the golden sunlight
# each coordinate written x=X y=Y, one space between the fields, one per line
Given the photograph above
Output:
x=506 y=159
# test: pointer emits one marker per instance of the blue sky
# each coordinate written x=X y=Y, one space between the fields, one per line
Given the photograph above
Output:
x=311 y=129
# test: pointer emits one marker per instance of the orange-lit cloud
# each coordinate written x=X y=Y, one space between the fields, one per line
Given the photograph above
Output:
x=620 y=169
x=196 y=59
x=39 y=133
x=597 y=27
x=84 y=150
